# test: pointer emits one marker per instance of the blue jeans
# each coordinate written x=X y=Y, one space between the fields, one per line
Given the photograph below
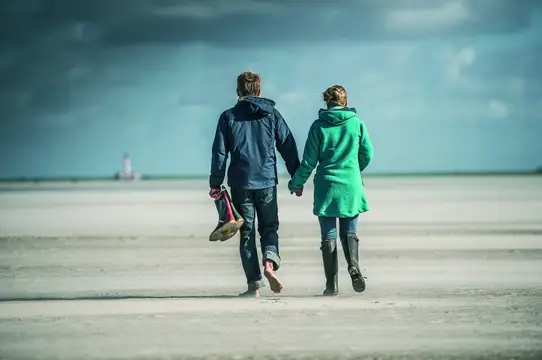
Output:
x=261 y=204
x=328 y=227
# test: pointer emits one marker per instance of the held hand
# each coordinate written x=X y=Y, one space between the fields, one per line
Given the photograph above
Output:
x=215 y=193
x=297 y=193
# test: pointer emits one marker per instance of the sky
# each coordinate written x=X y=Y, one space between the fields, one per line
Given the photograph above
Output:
x=442 y=85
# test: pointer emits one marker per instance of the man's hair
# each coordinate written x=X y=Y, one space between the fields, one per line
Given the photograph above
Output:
x=249 y=84
x=335 y=96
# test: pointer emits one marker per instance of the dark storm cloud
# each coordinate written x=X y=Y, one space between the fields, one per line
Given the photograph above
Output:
x=48 y=48
x=305 y=22
x=259 y=22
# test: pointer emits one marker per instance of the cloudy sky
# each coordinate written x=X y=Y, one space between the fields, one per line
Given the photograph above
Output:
x=442 y=85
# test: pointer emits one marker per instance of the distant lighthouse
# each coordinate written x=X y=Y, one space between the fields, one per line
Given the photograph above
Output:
x=127 y=173
x=127 y=165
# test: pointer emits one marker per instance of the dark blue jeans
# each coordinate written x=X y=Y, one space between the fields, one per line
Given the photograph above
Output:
x=261 y=204
x=328 y=227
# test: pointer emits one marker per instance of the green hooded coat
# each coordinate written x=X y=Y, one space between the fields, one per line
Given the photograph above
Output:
x=338 y=142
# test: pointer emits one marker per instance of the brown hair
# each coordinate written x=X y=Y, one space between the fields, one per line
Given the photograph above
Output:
x=249 y=84
x=335 y=96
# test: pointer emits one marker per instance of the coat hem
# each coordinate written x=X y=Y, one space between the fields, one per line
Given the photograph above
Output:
x=341 y=215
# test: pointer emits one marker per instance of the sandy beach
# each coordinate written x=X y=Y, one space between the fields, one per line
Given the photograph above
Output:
x=106 y=270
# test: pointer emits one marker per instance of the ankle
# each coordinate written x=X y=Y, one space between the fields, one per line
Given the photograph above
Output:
x=250 y=293
x=269 y=266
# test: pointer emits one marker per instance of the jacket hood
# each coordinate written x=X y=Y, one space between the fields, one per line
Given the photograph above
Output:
x=337 y=115
x=256 y=106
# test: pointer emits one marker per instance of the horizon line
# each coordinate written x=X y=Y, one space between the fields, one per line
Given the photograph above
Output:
x=150 y=177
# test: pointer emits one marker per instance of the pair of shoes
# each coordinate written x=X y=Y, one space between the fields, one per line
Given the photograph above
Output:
x=229 y=220
x=350 y=245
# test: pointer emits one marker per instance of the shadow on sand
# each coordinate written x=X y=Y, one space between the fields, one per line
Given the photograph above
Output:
x=146 y=297
x=114 y=297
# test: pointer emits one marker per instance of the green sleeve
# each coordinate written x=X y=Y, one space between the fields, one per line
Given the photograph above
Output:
x=311 y=154
x=365 y=148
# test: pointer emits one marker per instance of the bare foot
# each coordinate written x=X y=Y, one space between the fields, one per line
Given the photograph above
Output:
x=274 y=282
x=250 y=293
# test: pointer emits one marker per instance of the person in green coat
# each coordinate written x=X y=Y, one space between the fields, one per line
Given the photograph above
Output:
x=339 y=143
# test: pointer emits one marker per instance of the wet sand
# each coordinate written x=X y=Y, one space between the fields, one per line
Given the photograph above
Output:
x=125 y=271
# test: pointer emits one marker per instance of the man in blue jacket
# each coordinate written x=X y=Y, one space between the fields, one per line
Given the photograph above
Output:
x=249 y=133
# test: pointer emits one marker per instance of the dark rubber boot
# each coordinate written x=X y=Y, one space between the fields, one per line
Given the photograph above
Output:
x=350 y=246
x=331 y=267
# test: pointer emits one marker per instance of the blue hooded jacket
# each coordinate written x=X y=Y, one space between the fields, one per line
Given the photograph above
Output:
x=249 y=132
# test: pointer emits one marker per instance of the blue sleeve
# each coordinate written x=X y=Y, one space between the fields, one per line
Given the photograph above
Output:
x=286 y=145
x=220 y=153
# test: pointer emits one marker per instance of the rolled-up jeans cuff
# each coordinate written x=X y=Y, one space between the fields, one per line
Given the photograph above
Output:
x=272 y=256
x=256 y=285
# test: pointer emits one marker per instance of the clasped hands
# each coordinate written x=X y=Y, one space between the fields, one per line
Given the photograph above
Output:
x=215 y=193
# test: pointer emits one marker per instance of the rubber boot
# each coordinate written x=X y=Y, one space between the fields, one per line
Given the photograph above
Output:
x=350 y=246
x=238 y=218
x=227 y=226
x=331 y=267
